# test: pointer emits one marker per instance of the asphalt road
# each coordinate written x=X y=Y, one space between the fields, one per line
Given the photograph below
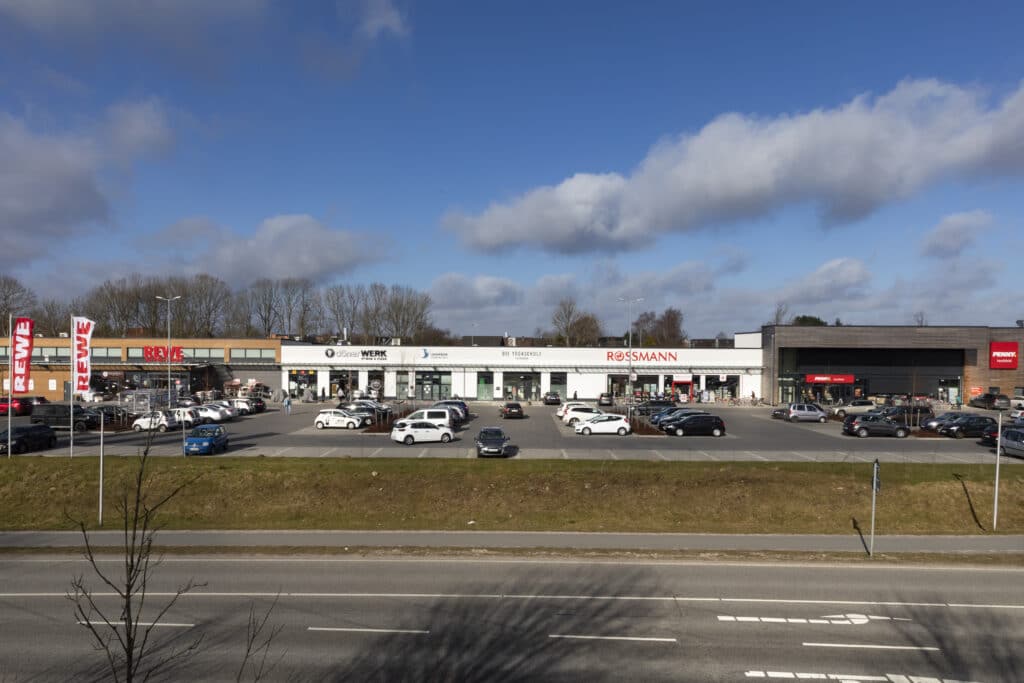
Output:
x=752 y=436
x=470 y=620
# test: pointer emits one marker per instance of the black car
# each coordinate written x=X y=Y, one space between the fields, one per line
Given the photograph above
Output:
x=969 y=425
x=552 y=399
x=988 y=437
x=491 y=441
x=652 y=406
x=59 y=416
x=908 y=415
x=991 y=401
x=874 y=425
x=257 y=403
x=512 y=409
x=780 y=413
x=700 y=425
x=935 y=423
x=26 y=438
x=605 y=399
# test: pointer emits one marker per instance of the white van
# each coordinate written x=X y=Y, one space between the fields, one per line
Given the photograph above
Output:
x=442 y=417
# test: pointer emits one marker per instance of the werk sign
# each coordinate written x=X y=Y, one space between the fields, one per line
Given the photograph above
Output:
x=81 y=368
x=21 y=366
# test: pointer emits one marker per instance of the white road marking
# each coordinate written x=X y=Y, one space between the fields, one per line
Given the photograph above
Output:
x=327 y=452
x=565 y=456
x=707 y=455
x=376 y=452
x=756 y=455
x=828 y=619
x=283 y=450
x=801 y=455
x=863 y=646
x=422 y=453
x=367 y=630
x=140 y=623
x=888 y=678
x=612 y=453
x=628 y=638
x=658 y=453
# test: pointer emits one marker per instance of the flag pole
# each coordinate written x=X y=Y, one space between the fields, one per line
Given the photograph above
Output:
x=10 y=378
x=71 y=392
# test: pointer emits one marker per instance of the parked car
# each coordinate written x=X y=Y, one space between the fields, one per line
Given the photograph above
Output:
x=1017 y=402
x=1017 y=414
x=258 y=404
x=988 y=437
x=25 y=438
x=228 y=406
x=1013 y=442
x=369 y=415
x=187 y=417
x=908 y=415
x=442 y=417
x=412 y=431
x=458 y=404
x=806 y=412
x=691 y=425
x=242 y=405
x=512 y=409
x=206 y=439
x=63 y=416
x=873 y=424
x=580 y=413
x=335 y=417
x=552 y=398
x=968 y=425
x=491 y=441
x=674 y=414
x=160 y=420
x=560 y=412
x=857 y=406
x=210 y=412
x=604 y=424
x=606 y=399
x=115 y=414
x=18 y=406
x=652 y=406
x=991 y=401
x=933 y=423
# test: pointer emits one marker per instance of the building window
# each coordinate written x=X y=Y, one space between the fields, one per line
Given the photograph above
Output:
x=252 y=355
x=135 y=353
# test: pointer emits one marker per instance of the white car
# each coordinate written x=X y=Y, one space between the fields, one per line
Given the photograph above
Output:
x=1017 y=402
x=242 y=405
x=334 y=417
x=209 y=412
x=160 y=420
x=579 y=414
x=1017 y=414
x=187 y=417
x=604 y=424
x=411 y=432
x=560 y=412
x=226 y=405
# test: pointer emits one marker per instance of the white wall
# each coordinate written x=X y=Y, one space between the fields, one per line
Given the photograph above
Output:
x=585 y=386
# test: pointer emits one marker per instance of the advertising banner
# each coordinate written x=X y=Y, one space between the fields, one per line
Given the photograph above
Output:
x=81 y=366
x=21 y=364
x=828 y=379
x=1002 y=355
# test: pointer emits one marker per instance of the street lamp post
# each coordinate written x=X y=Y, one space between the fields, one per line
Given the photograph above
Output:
x=629 y=356
x=169 y=299
x=472 y=334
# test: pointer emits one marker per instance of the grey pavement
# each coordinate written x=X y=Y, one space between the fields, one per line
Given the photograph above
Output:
x=534 y=539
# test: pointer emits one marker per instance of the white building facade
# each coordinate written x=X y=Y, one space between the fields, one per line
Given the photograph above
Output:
x=521 y=373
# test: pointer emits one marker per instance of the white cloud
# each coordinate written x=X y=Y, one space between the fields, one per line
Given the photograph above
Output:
x=51 y=184
x=376 y=17
x=847 y=161
x=458 y=292
x=831 y=282
x=954 y=233
x=281 y=246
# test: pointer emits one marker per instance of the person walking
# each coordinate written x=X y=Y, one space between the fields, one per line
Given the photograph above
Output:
x=287 y=405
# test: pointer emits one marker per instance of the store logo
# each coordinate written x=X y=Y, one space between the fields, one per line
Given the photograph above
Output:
x=664 y=356
x=329 y=353
x=426 y=354
x=1002 y=355
x=341 y=353
x=373 y=354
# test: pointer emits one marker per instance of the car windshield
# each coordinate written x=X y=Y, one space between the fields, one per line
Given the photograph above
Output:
x=203 y=432
x=491 y=434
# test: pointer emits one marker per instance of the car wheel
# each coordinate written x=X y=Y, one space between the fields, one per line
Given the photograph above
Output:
x=840 y=413
x=445 y=438
x=1002 y=450
x=319 y=425
x=350 y=425
x=16 y=448
x=161 y=428
x=586 y=431
x=716 y=432
x=793 y=419
x=823 y=419
x=679 y=431
x=862 y=432
x=408 y=441
x=137 y=428
x=901 y=433
x=958 y=434
x=622 y=431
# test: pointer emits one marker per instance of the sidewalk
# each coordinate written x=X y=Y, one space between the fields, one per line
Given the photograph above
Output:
x=852 y=543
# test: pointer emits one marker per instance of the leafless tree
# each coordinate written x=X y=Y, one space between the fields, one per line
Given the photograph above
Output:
x=15 y=299
x=203 y=307
x=125 y=640
x=920 y=319
x=52 y=317
x=780 y=317
x=258 y=644
x=343 y=304
x=668 y=328
x=643 y=326
x=114 y=305
x=238 y=316
x=587 y=330
x=406 y=312
x=300 y=306
x=265 y=303
x=565 y=317
x=371 y=317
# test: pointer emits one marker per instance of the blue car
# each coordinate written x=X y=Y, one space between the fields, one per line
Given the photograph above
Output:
x=207 y=440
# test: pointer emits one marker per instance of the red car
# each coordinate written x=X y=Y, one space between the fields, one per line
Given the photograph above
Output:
x=19 y=406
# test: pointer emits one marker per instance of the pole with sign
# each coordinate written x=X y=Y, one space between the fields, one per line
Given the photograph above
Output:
x=876 y=486
x=999 y=456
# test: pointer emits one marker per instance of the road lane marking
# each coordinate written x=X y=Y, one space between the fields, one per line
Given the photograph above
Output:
x=864 y=646
x=641 y=639
x=367 y=630
x=828 y=619
x=888 y=678
x=138 y=623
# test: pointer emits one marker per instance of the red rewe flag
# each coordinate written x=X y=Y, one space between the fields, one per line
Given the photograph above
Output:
x=21 y=362
x=81 y=337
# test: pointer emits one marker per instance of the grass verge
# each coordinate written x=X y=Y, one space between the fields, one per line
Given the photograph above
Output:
x=529 y=495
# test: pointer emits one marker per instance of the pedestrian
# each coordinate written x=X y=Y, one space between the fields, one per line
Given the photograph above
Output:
x=288 y=405
x=323 y=394
x=574 y=396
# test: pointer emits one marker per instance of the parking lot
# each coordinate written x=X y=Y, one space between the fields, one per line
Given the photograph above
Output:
x=751 y=435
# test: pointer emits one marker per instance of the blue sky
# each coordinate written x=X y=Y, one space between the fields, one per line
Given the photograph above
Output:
x=858 y=160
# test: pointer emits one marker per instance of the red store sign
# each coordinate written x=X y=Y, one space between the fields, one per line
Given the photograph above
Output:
x=828 y=379
x=153 y=354
x=1002 y=355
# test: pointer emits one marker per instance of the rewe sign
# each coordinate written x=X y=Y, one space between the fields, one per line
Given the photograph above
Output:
x=1002 y=355
x=81 y=369
x=22 y=360
x=152 y=354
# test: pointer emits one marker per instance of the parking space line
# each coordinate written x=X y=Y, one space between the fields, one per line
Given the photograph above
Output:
x=565 y=456
x=756 y=455
x=658 y=453
x=422 y=453
x=283 y=450
x=328 y=452
x=612 y=453
x=801 y=455
x=376 y=452
x=707 y=455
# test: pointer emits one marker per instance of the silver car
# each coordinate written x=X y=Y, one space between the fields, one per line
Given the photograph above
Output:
x=1012 y=442
x=806 y=412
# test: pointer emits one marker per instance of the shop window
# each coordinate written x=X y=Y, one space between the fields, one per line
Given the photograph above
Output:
x=485 y=385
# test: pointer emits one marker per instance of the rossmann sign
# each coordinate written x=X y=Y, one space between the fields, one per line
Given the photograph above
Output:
x=662 y=356
x=1002 y=355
